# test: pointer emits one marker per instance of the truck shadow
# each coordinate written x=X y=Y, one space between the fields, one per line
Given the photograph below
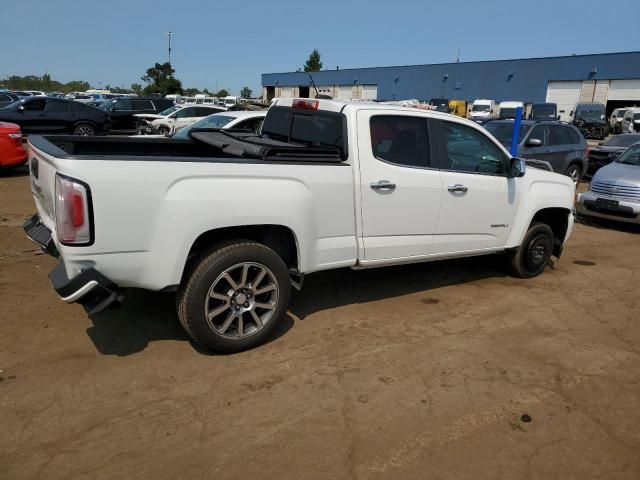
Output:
x=605 y=224
x=335 y=288
x=148 y=317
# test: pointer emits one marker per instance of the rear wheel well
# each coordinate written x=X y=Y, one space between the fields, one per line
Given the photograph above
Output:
x=558 y=220
x=280 y=239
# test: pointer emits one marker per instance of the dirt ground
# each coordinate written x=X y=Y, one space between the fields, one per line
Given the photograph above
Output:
x=447 y=370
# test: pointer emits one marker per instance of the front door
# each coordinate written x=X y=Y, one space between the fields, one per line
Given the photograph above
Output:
x=479 y=202
x=400 y=191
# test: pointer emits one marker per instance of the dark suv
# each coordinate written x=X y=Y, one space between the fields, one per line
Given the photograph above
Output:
x=591 y=119
x=560 y=144
x=47 y=115
x=122 y=110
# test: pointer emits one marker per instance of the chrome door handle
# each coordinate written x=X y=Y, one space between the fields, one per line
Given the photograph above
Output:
x=383 y=186
x=457 y=188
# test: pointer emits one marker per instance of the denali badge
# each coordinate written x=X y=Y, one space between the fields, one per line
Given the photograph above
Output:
x=499 y=225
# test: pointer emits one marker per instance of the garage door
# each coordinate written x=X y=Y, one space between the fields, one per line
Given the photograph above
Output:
x=286 y=92
x=565 y=95
x=369 y=92
x=345 y=92
x=624 y=90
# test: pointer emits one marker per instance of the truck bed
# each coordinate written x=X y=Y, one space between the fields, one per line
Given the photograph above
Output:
x=204 y=145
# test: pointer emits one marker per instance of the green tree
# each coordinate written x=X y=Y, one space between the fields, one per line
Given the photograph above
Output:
x=313 y=64
x=160 y=79
x=190 y=92
x=46 y=82
x=222 y=93
x=246 y=92
x=136 y=88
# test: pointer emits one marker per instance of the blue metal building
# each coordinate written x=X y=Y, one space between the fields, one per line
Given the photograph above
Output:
x=568 y=79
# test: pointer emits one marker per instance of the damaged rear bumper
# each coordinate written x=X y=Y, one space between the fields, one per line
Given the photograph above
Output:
x=90 y=288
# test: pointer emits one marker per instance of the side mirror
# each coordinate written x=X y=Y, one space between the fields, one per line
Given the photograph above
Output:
x=517 y=167
x=557 y=117
x=534 y=142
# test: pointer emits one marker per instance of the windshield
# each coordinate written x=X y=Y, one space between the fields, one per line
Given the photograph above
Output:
x=507 y=113
x=590 y=113
x=621 y=113
x=630 y=156
x=544 y=111
x=636 y=116
x=481 y=108
x=212 y=121
x=106 y=105
x=622 y=140
x=504 y=131
x=169 y=110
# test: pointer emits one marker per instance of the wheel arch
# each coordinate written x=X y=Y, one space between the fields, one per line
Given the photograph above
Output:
x=279 y=238
x=558 y=220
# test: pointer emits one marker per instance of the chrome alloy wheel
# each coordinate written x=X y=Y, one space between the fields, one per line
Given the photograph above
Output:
x=241 y=300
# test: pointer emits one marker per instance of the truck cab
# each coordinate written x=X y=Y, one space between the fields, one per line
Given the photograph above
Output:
x=482 y=111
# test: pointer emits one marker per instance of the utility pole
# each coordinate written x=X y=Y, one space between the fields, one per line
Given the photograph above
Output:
x=169 y=34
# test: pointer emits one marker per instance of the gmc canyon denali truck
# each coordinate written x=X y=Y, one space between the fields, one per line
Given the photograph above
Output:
x=230 y=220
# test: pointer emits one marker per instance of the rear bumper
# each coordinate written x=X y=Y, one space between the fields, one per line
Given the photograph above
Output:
x=90 y=288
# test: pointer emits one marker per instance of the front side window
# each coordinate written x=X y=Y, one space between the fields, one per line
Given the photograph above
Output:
x=468 y=150
x=35 y=105
x=186 y=112
x=631 y=156
x=122 y=105
x=541 y=133
x=401 y=140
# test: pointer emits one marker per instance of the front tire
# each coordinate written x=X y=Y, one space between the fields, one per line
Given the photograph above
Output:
x=163 y=130
x=84 y=130
x=533 y=255
x=235 y=297
x=573 y=172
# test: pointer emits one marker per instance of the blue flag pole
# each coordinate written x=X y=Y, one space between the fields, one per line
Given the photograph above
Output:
x=516 y=132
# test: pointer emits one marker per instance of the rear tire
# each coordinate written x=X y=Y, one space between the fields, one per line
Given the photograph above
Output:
x=84 y=130
x=531 y=258
x=234 y=297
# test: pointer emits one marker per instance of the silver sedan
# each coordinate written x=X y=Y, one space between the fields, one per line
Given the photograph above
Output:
x=614 y=192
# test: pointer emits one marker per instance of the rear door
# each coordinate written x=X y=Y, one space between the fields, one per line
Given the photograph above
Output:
x=400 y=191
x=479 y=202
x=186 y=116
x=58 y=114
x=562 y=148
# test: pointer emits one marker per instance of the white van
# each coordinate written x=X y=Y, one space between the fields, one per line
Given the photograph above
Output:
x=508 y=109
x=483 y=110
x=230 y=101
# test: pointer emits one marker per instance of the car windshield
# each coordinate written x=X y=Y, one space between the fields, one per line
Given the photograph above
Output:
x=504 y=131
x=590 y=113
x=621 y=113
x=170 y=110
x=544 y=111
x=630 y=156
x=636 y=116
x=622 y=140
x=480 y=108
x=212 y=121
x=507 y=113
x=106 y=105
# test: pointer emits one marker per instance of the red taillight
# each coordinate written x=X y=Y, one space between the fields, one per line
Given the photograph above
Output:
x=77 y=210
x=73 y=224
x=305 y=104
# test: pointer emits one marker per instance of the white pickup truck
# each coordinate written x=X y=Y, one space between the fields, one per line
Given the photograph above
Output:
x=230 y=221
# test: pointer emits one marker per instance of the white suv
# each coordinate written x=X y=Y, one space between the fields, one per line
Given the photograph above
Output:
x=631 y=121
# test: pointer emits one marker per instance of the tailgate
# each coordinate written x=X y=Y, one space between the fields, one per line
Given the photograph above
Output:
x=42 y=172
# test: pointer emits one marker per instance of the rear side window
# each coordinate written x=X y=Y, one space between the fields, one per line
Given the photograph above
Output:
x=5 y=98
x=142 y=105
x=36 y=105
x=574 y=136
x=401 y=140
x=559 y=135
x=57 y=106
x=311 y=128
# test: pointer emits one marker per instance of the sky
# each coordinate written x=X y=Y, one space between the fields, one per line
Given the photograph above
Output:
x=229 y=44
